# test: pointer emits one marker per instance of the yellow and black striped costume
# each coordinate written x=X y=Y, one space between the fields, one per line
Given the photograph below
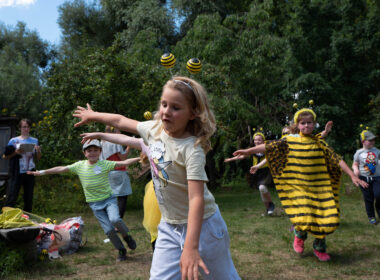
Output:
x=307 y=175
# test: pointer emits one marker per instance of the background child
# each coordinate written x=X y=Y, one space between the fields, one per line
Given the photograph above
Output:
x=307 y=175
x=261 y=172
x=118 y=178
x=93 y=174
x=365 y=164
x=20 y=162
x=192 y=233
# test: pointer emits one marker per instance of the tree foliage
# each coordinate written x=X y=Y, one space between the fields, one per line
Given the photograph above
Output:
x=258 y=58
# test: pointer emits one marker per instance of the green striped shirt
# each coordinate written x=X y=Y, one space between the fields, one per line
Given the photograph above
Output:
x=94 y=178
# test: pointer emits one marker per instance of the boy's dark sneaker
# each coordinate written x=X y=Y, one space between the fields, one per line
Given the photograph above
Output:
x=372 y=221
x=122 y=255
x=270 y=209
x=130 y=242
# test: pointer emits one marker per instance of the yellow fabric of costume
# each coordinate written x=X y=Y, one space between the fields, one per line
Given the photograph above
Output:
x=256 y=159
x=152 y=214
x=12 y=218
x=307 y=175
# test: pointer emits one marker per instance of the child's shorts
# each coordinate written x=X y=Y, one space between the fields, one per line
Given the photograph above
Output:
x=214 y=249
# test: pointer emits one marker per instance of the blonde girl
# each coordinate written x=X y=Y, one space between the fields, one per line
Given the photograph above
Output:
x=261 y=171
x=192 y=235
x=307 y=174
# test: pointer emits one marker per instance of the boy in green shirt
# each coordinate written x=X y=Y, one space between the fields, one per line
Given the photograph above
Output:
x=93 y=174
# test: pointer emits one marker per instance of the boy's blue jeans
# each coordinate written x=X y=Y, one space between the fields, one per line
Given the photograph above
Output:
x=107 y=213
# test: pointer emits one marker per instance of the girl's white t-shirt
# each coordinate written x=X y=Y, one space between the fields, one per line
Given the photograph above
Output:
x=173 y=162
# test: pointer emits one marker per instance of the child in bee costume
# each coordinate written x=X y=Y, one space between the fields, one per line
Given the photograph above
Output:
x=307 y=174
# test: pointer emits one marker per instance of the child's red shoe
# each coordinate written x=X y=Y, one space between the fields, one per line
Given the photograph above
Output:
x=322 y=256
x=298 y=244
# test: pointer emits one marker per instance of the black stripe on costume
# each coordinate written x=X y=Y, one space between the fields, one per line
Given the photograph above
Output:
x=306 y=180
x=316 y=225
x=307 y=205
x=307 y=197
x=312 y=215
x=312 y=157
x=305 y=165
x=305 y=173
x=306 y=150
x=304 y=185
x=298 y=143
x=308 y=191
x=320 y=233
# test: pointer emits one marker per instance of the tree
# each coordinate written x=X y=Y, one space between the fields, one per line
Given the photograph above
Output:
x=23 y=56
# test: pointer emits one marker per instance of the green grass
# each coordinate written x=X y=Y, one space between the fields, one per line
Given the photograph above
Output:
x=261 y=246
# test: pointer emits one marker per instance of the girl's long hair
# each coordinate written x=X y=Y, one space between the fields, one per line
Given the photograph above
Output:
x=203 y=125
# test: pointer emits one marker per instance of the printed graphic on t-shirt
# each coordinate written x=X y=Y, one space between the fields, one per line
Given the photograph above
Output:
x=159 y=176
x=97 y=169
x=370 y=163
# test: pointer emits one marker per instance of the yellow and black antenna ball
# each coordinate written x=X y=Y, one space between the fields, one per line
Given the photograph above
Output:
x=194 y=65
x=148 y=115
x=168 y=60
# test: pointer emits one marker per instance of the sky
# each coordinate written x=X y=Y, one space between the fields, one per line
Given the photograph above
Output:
x=39 y=15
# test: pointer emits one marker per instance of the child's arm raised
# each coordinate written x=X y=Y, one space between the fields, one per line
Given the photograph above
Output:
x=354 y=178
x=250 y=151
x=190 y=258
x=53 y=170
x=327 y=130
x=126 y=162
x=115 y=120
x=114 y=138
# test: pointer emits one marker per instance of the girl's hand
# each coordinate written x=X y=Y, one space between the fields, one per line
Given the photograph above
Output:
x=90 y=135
x=358 y=182
x=83 y=114
x=253 y=169
x=241 y=153
x=328 y=126
x=189 y=263
x=19 y=151
x=34 y=173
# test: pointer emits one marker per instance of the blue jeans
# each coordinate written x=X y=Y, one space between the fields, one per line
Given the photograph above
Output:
x=214 y=249
x=107 y=213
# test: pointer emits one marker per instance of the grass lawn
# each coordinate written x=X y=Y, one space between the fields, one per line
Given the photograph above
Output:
x=261 y=246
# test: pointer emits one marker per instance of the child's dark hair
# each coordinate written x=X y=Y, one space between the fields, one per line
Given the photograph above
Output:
x=27 y=121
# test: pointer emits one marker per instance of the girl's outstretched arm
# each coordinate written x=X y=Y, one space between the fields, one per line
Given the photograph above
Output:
x=250 y=151
x=354 y=178
x=190 y=258
x=114 y=138
x=53 y=170
x=234 y=158
x=127 y=162
x=115 y=120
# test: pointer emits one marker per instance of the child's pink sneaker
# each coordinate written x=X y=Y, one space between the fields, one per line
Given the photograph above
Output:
x=322 y=256
x=298 y=244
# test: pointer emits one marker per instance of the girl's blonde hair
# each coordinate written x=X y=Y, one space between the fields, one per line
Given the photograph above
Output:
x=294 y=127
x=203 y=125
